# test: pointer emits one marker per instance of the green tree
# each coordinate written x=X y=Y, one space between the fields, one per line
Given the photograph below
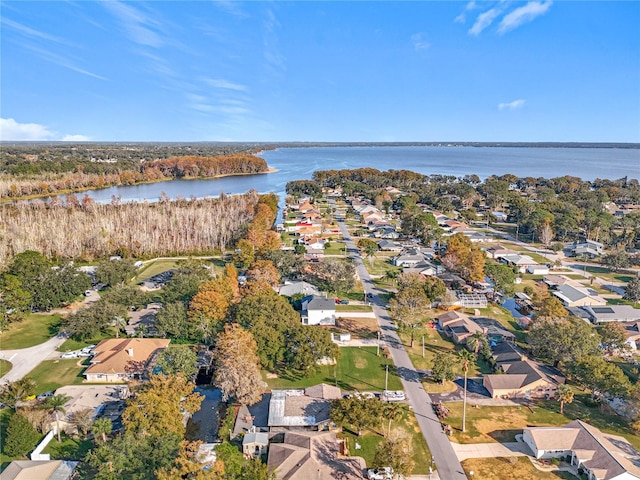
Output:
x=98 y=318
x=14 y=392
x=502 y=276
x=443 y=368
x=632 y=290
x=476 y=342
x=601 y=377
x=181 y=288
x=237 y=371
x=356 y=411
x=396 y=451
x=333 y=275
x=100 y=428
x=551 y=308
x=562 y=340
x=82 y=420
x=56 y=405
x=178 y=359
x=15 y=301
x=244 y=255
x=115 y=272
x=171 y=321
x=369 y=247
x=306 y=345
x=614 y=338
x=21 y=437
x=564 y=396
x=410 y=303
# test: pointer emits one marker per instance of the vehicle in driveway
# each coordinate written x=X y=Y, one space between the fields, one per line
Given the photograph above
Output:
x=70 y=355
x=383 y=473
x=45 y=395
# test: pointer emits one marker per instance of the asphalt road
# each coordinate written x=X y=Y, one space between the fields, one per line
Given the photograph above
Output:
x=445 y=458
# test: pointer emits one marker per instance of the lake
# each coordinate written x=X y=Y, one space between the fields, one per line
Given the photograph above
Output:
x=300 y=163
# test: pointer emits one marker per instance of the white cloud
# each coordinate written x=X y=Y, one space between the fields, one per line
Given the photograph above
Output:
x=139 y=26
x=523 y=14
x=75 y=138
x=14 y=131
x=484 y=20
x=512 y=105
x=463 y=16
x=225 y=84
x=30 y=32
x=418 y=42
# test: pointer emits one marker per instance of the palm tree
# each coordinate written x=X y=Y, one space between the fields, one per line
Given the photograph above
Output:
x=565 y=395
x=466 y=357
x=392 y=411
x=475 y=342
x=101 y=427
x=56 y=405
x=120 y=323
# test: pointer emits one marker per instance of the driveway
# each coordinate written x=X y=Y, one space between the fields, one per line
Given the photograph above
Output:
x=490 y=450
x=446 y=461
x=26 y=359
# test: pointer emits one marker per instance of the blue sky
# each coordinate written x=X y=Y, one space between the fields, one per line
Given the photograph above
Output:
x=320 y=71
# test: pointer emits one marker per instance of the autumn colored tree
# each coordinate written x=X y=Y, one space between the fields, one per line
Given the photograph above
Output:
x=237 y=371
x=464 y=258
x=551 y=307
x=263 y=271
x=159 y=406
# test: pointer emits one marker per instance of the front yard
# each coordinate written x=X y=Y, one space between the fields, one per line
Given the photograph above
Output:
x=36 y=328
x=358 y=368
x=514 y=468
x=52 y=374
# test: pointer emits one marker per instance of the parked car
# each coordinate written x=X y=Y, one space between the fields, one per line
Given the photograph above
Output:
x=384 y=473
x=70 y=355
x=369 y=295
x=45 y=395
x=344 y=302
x=393 y=395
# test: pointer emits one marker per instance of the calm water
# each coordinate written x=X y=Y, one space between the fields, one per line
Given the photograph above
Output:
x=300 y=163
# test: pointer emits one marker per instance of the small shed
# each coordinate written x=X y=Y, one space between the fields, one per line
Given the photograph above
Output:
x=255 y=443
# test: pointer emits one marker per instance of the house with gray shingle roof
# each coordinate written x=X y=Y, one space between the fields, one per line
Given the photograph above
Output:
x=602 y=456
x=318 y=310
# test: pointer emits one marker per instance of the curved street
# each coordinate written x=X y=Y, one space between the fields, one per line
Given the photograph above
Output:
x=447 y=464
x=26 y=359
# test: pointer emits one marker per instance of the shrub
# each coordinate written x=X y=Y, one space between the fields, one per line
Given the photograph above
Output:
x=21 y=436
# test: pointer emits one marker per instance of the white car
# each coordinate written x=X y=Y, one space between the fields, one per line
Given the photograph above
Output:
x=384 y=473
x=45 y=395
x=70 y=355
x=393 y=395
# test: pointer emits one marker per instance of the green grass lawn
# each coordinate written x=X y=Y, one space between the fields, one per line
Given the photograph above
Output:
x=5 y=367
x=52 y=374
x=502 y=424
x=435 y=344
x=36 y=328
x=381 y=265
x=68 y=449
x=370 y=439
x=334 y=248
x=609 y=274
x=358 y=368
x=70 y=344
x=154 y=268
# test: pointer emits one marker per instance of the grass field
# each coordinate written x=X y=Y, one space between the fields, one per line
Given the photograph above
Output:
x=334 y=248
x=358 y=368
x=516 y=468
x=370 y=439
x=5 y=367
x=52 y=374
x=154 y=268
x=609 y=274
x=36 y=328
x=502 y=424
x=68 y=449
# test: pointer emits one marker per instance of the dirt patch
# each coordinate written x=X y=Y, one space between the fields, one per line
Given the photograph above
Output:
x=357 y=327
x=360 y=363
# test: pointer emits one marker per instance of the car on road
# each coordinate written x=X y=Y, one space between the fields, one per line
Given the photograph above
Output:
x=369 y=295
x=70 y=355
x=393 y=395
x=383 y=473
x=344 y=301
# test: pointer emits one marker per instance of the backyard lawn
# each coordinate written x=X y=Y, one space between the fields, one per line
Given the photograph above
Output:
x=334 y=248
x=5 y=367
x=515 y=468
x=52 y=374
x=610 y=275
x=36 y=328
x=358 y=368
x=68 y=449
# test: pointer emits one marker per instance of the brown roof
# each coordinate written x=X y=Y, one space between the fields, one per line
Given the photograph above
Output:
x=312 y=456
x=449 y=317
x=118 y=355
x=322 y=390
x=31 y=470
x=519 y=374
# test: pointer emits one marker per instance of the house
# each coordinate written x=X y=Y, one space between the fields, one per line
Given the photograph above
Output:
x=313 y=456
x=389 y=246
x=577 y=296
x=255 y=443
x=408 y=258
x=589 y=248
x=500 y=216
x=290 y=289
x=118 y=359
x=632 y=334
x=306 y=409
x=458 y=326
x=538 y=270
x=318 y=310
x=521 y=377
x=598 y=455
x=499 y=251
x=524 y=322
x=522 y=262
x=612 y=313
x=472 y=300
x=39 y=470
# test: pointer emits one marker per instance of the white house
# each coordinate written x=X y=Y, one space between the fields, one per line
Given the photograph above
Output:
x=318 y=311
